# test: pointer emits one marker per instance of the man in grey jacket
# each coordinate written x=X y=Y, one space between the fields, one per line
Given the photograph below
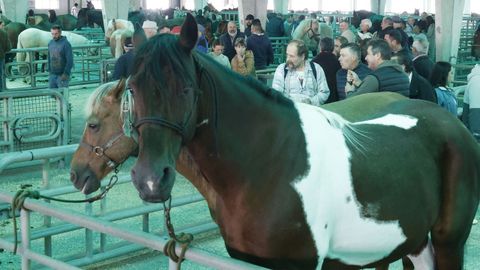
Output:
x=386 y=76
x=60 y=59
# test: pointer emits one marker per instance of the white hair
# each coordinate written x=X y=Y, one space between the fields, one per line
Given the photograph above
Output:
x=95 y=99
x=367 y=22
x=420 y=43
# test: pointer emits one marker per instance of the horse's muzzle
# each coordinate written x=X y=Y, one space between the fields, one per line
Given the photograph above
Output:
x=154 y=188
x=87 y=182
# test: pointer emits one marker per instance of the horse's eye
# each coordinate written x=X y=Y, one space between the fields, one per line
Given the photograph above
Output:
x=92 y=126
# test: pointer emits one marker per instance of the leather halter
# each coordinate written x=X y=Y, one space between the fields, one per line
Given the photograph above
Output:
x=100 y=151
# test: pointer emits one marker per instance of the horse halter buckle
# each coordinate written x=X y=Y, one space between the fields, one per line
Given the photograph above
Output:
x=98 y=150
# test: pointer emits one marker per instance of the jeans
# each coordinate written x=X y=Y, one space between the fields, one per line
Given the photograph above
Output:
x=55 y=81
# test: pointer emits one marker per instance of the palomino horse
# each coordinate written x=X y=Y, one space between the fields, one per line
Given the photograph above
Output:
x=103 y=131
x=115 y=34
x=297 y=184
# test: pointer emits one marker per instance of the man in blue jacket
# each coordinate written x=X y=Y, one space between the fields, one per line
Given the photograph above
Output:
x=60 y=59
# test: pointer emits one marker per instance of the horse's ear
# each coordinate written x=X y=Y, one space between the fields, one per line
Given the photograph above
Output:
x=189 y=33
x=118 y=91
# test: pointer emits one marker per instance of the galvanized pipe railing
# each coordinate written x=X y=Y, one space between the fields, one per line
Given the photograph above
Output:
x=138 y=237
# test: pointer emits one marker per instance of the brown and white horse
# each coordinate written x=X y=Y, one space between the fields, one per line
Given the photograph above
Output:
x=299 y=187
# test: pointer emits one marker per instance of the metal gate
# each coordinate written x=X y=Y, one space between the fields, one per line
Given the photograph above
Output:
x=34 y=119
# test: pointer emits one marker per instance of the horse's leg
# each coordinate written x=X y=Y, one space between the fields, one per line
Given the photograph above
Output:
x=423 y=260
x=457 y=211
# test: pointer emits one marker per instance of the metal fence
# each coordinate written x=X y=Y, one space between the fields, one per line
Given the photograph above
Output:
x=73 y=220
x=34 y=119
x=34 y=72
x=93 y=34
x=107 y=68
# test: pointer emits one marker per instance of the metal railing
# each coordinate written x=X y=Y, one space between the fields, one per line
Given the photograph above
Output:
x=134 y=240
x=86 y=69
x=34 y=119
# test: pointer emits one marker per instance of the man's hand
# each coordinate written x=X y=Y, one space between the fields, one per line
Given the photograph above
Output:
x=64 y=77
x=353 y=79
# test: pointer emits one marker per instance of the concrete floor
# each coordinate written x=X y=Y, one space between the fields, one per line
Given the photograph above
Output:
x=125 y=195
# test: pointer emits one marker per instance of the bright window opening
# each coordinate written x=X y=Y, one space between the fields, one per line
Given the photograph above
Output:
x=47 y=4
x=155 y=4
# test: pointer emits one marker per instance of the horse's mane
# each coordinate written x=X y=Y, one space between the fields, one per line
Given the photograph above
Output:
x=95 y=99
x=352 y=133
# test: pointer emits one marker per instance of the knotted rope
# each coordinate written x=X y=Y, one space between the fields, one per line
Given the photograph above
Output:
x=184 y=239
x=24 y=193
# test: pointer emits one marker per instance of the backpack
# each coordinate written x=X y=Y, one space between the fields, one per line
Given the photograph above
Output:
x=312 y=66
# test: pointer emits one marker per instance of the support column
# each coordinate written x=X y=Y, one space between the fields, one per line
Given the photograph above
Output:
x=134 y=5
x=200 y=4
x=448 y=24
x=280 y=6
x=114 y=10
x=175 y=4
x=14 y=10
x=256 y=8
x=378 y=6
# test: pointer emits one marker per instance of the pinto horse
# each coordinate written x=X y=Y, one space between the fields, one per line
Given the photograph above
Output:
x=299 y=187
x=104 y=131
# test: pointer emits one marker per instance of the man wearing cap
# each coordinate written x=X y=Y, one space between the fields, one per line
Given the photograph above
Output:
x=150 y=28
x=248 y=25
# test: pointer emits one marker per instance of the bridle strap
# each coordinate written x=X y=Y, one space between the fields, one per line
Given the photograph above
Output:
x=100 y=151
x=161 y=122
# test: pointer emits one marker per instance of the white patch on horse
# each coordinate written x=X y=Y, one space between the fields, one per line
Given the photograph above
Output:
x=401 y=121
x=150 y=185
x=425 y=260
x=336 y=219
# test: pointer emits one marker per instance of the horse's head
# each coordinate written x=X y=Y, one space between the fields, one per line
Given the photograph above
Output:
x=111 y=27
x=164 y=86
x=103 y=145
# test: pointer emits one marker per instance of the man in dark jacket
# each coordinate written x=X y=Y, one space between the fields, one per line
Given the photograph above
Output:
x=420 y=88
x=228 y=39
x=248 y=25
x=261 y=46
x=422 y=64
x=60 y=59
x=386 y=76
x=5 y=46
x=274 y=26
x=329 y=62
x=350 y=58
x=124 y=64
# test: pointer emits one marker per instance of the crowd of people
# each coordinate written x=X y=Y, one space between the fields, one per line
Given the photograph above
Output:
x=320 y=67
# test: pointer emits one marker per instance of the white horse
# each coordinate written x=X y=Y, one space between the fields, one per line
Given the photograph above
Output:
x=35 y=38
x=116 y=32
